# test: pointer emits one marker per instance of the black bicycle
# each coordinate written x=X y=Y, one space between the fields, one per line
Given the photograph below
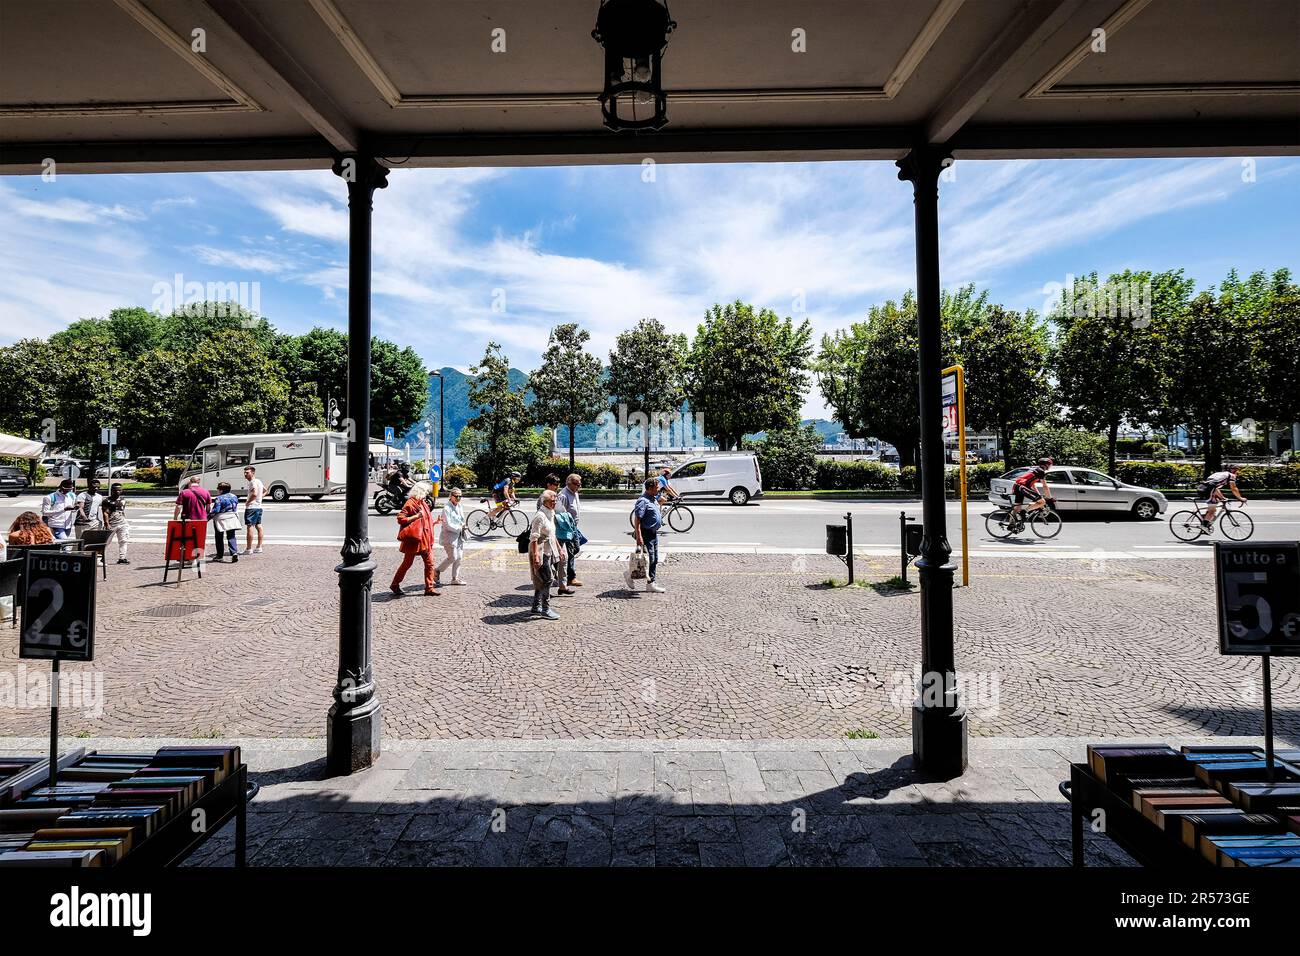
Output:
x=1004 y=522
x=1189 y=524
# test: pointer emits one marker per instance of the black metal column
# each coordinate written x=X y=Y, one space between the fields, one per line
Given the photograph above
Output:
x=938 y=719
x=353 y=734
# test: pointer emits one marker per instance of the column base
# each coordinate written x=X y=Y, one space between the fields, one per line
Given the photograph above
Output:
x=939 y=741
x=352 y=737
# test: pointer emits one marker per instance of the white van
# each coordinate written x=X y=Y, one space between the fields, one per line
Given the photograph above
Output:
x=297 y=463
x=732 y=476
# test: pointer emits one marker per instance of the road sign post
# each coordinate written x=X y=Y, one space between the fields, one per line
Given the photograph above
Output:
x=107 y=436
x=58 y=621
x=954 y=417
x=1257 y=585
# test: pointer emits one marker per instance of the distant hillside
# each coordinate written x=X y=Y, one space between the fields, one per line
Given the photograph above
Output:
x=458 y=412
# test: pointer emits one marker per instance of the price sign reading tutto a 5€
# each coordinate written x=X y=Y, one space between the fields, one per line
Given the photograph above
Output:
x=1258 y=585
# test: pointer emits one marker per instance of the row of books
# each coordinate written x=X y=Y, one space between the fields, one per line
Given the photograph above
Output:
x=1217 y=800
x=105 y=805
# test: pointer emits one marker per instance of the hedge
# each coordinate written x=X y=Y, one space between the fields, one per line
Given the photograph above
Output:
x=835 y=475
x=1167 y=474
x=458 y=476
x=593 y=476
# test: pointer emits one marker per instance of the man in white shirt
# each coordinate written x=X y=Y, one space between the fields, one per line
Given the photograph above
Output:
x=255 y=491
x=59 y=510
x=89 y=503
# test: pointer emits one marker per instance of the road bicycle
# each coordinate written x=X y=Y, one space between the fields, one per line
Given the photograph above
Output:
x=1004 y=522
x=481 y=522
x=1189 y=524
x=676 y=514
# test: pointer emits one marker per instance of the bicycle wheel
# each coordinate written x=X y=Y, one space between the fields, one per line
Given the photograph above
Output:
x=1046 y=524
x=1236 y=524
x=479 y=523
x=998 y=524
x=514 y=522
x=1186 y=525
x=681 y=519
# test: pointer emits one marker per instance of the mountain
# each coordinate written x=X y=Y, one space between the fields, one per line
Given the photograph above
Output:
x=458 y=411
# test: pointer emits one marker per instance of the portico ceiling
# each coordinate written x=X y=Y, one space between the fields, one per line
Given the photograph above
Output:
x=114 y=85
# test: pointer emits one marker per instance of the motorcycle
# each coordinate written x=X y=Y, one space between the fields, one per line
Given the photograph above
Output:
x=386 y=502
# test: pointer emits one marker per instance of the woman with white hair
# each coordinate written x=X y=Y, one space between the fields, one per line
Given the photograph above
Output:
x=542 y=552
x=415 y=536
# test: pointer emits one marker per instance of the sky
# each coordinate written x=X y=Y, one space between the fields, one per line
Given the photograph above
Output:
x=462 y=257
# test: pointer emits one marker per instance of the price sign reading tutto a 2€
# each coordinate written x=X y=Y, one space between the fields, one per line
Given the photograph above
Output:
x=1258 y=585
x=59 y=606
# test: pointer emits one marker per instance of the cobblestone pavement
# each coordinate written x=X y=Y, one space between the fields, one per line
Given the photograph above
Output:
x=650 y=803
x=740 y=647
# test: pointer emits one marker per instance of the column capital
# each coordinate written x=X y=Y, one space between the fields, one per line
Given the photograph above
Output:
x=361 y=172
x=923 y=164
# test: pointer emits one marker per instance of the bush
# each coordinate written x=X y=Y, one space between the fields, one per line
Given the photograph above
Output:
x=909 y=478
x=1269 y=476
x=150 y=475
x=1067 y=446
x=458 y=476
x=172 y=471
x=788 y=457
x=1158 y=474
x=607 y=476
x=833 y=475
x=978 y=477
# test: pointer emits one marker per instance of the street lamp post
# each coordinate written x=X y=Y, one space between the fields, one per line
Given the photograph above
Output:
x=442 y=455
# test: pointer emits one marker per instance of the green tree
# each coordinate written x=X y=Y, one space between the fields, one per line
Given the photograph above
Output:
x=1111 y=345
x=1066 y=446
x=1005 y=358
x=503 y=420
x=398 y=386
x=747 y=371
x=92 y=379
x=232 y=385
x=30 y=372
x=646 y=370
x=1277 y=351
x=869 y=374
x=567 y=387
x=150 y=424
x=788 y=457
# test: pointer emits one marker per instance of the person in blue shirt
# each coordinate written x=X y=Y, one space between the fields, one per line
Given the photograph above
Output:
x=225 y=503
x=647 y=519
x=665 y=491
x=503 y=493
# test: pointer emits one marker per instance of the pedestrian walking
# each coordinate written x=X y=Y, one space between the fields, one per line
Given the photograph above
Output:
x=193 y=503
x=647 y=519
x=415 y=537
x=451 y=535
x=552 y=485
x=569 y=502
x=225 y=521
x=59 y=510
x=542 y=550
x=89 y=504
x=114 y=511
x=254 y=493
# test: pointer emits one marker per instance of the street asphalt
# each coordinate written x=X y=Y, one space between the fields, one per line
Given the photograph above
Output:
x=771 y=526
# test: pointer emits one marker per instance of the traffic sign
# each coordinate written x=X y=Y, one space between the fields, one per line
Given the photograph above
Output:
x=1258 y=585
x=59 y=606
x=108 y=436
x=390 y=436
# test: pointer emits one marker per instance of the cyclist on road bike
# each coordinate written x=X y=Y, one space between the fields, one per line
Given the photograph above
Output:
x=665 y=490
x=1025 y=488
x=503 y=493
x=1210 y=490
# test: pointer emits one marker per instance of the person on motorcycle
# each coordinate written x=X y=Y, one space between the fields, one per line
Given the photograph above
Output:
x=397 y=482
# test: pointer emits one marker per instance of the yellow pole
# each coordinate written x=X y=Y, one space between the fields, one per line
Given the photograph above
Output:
x=961 y=473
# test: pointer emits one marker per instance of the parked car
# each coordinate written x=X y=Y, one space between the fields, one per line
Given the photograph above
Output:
x=64 y=467
x=119 y=471
x=731 y=477
x=12 y=480
x=1083 y=489
x=148 y=461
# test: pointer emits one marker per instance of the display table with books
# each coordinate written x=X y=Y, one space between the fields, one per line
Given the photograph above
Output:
x=1195 y=807
x=121 y=809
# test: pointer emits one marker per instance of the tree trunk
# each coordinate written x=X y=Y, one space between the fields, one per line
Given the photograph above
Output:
x=1214 y=453
x=1004 y=431
x=646 y=473
x=1111 y=437
x=906 y=454
x=572 y=428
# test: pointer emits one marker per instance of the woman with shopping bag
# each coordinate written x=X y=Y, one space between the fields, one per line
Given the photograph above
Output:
x=415 y=537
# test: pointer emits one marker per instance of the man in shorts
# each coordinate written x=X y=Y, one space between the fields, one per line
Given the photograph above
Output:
x=1210 y=491
x=254 y=492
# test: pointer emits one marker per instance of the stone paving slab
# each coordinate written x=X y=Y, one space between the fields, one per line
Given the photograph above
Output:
x=529 y=803
x=740 y=647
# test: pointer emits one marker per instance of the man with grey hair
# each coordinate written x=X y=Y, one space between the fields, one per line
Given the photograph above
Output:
x=567 y=501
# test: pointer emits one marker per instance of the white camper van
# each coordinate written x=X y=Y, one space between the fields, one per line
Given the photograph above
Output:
x=726 y=476
x=296 y=463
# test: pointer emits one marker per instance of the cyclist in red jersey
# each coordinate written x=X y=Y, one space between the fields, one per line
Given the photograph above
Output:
x=1025 y=489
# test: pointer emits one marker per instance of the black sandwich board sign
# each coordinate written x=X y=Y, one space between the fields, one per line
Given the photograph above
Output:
x=1258 y=586
x=59 y=606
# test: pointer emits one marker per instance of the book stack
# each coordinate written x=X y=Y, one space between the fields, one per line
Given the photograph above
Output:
x=11 y=767
x=106 y=805
x=1217 y=800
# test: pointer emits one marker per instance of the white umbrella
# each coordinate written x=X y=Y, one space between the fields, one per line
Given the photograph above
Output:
x=20 y=447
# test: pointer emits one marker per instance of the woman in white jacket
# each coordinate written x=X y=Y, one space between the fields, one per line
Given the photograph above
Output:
x=451 y=535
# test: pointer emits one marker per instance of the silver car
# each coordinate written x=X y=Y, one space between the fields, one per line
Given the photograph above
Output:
x=1082 y=489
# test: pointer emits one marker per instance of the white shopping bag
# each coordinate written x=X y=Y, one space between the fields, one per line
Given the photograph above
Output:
x=637 y=564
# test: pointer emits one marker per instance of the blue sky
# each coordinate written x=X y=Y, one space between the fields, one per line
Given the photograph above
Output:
x=606 y=245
